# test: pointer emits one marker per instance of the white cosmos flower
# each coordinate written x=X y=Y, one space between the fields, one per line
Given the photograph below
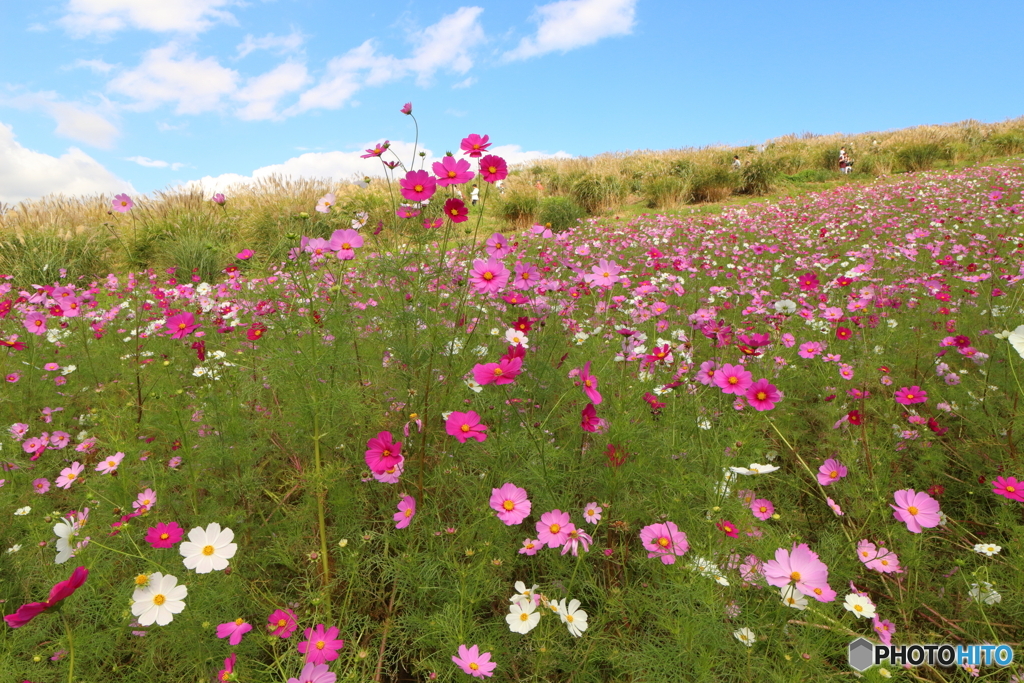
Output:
x=522 y=592
x=1016 y=339
x=21 y=512
x=516 y=337
x=860 y=605
x=159 y=600
x=755 y=468
x=572 y=616
x=745 y=636
x=984 y=593
x=65 y=531
x=522 y=616
x=208 y=549
x=987 y=549
x=791 y=597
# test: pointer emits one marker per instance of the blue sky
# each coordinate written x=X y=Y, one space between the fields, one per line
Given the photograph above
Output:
x=142 y=95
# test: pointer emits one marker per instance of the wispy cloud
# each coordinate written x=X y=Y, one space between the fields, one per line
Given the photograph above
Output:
x=105 y=17
x=289 y=44
x=74 y=120
x=94 y=65
x=569 y=24
x=155 y=163
x=262 y=93
x=169 y=76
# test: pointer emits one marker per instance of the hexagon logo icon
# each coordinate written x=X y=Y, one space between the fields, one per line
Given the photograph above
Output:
x=861 y=654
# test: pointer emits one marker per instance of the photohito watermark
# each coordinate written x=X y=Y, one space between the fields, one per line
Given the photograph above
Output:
x=863 y=654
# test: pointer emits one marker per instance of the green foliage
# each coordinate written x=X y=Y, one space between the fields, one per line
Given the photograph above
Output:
x=759 y=175
x=919 y=157
x=38 y=256
x=560 y=213
x=666 y=192
x=712 y=184
x=1007 y=143
x=814 y=175
x=519 y=208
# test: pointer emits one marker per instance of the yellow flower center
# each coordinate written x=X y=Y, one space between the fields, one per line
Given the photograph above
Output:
x=498 y=372
x=164 y=536
x=1010 y=489
x=734 y=380
x=818 y=591
x=761 y=396
x=763 y=509
x=492 y=169
x=488 y=275
x=524 y=616
x=281 y=623
x=569 y=618
x=141 y=580
x=452 y=174
x=663 y=542
x=385 y=454
x=71 y=475
x=795 y=576
x=182 y=326
x=555 y=528
x=912 y=510
x=859 y=608
x=418 y=188
x=464 y=428
x=320 y=644
x=208 y=550
x=508 y=505
x=346 y=245
x=474 y=666
x=159 y=599
x=408 y=512
x=833 y=474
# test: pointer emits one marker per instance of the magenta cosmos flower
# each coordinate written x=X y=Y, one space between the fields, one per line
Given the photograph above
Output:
x=382 y=453
x=233 y=630
x=181 y=325
x=464 y=426
x=497 y=246
x=803 y=568
x=455 y=209
x=122 y=203
x=511 y=504
x=831 y=471
x=344 y=242
x=733 y=379
x=1009 y=487
x=488 y=277
x=762 y=508
x=916 y=509
x=377 y=151
x=41 y=485
x=589 y=383
x=590 y=422
x=452 y=171
x=503 y=372
x=60 y=591
x=164 y=535
x=282 y=623
x=418 y=185
x=910 y=395
x=475 y=145
x=664 y=540
x=553 y=528
x=475 y=663
x=407 y=108
x=315 y=673
x=493 y=169
x=762 y=395
x=728 y=528
x=321 y=645
x=406 y=511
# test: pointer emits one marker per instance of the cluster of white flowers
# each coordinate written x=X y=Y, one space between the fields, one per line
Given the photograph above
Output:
x=984 y=592
x=523 y=616
x=709 y=569
x=67 y=530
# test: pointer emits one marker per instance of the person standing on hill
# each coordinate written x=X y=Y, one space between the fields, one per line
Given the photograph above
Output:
x=474 y=196
x=736 y=163
x=844 y=161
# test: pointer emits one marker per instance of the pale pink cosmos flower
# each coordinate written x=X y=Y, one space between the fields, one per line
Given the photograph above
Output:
x=530 y=546
x=497 y=246
x=554 y=527
x=122 y=203
x=810 y=349
x=733 y=379
x=110 y=464
x=390 y=475
x=604 y=274
x=762 y=508
x=145 y=501
x=835 y=507
x=314 y=673
x=41 y=485
x=665 y=541
x=464 y=426
x=916 y=509
x=802 y=567
x=68 y=475
x=473 y=662
x=885 y=629
x=788 y=340
x=592 y=513
x=406 y=510
x=577 y=537
x=18 y=430
x=233 y=630
x=488 y=277
x=511 y=503
x=345 y=242
x=831 y=471
x=325 y=203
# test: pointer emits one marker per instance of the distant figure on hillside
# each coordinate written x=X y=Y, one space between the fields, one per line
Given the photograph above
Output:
x=736 y=163
x=845 y=165
x=474 y=196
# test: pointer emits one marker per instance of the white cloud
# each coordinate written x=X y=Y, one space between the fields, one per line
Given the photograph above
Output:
x=465 y=83
x=568 y=24
x=103 y=17
x=166 y=76
x=155 y=163
x=74 y=120
x=262 y=93
x=346 y=75
x=436 y=50
x=94 y=65
x=25 y=174
x=288 y=44
x=514 y=154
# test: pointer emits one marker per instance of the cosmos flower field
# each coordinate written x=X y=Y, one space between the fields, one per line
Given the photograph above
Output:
x=694 y=447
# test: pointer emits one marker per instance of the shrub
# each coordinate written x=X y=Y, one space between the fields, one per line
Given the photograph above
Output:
x=38 y=256
x=758 y=176
x=666 y=192
x=919 y=157
x=1010 y=142
x=590 y=192
x=561 y=213
x=519 y=208
x=712 y=184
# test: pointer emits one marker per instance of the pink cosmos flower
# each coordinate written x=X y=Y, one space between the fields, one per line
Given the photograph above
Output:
x=763 y=395
x=590 y=422
x=69 y=474
x=530 y=546
x=706 y=373
x=831 y=471
x=417 y=186
x=1009 y=487
x=553 y=528
x=472 y=661
x=664 y=540
x=222 y=675
x=109 y=464
x=810 y=349
x=475 y=145
x=577 y=537
x=282 y=623
x=407 y=108
x=916 y=509
x=592 y=513
x=589 y=383
x=488 y=277
x=382 y=453
x=835 y=507
x=41 y=486
x=406 y=510
x=325 y=203
x=60 y=591
x=803 y=568
x=908 y=396
x=503 y=372
x=181 y=325
x=316 y=673
x=245 y=255
x=377 y=151
x=511 y=503
x=527 y=276
x=145 y=501
x=885 y=629
x=321 y=645
x=344 y=242
x=406 y=211
x=35 y=323
x=164 y=535
x=219 y=199
x=452 y=171
x=390 y=475
x=728 y=528
x=465 y=426
x=733 y=379
x=233 y=630
x=456 y=210
x=122 y=203
x=762 y=508
x=604 y=274
x=497 y=246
